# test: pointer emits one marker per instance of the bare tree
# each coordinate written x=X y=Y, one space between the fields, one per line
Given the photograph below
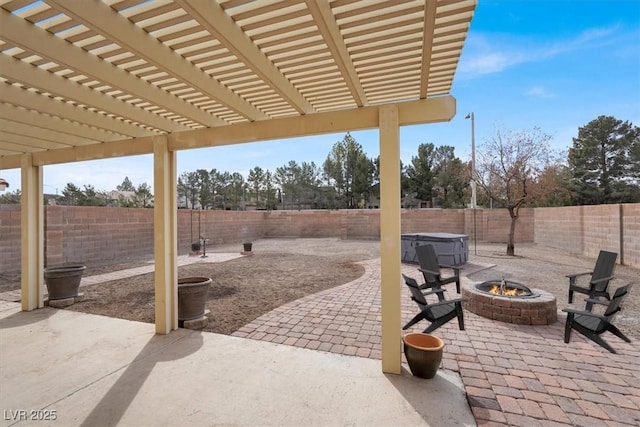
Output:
x=509 y=163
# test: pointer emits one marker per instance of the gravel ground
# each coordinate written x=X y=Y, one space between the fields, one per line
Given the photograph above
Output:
x=535 y=266
x=545 y=268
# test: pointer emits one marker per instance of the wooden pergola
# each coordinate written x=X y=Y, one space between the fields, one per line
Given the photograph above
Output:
x=105 y=78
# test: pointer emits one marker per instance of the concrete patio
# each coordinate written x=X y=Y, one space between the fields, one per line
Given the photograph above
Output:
x=76 y=369
x=312 y=361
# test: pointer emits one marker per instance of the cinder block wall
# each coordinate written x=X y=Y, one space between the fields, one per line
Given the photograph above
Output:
x=96 y=234
x=9 y=238
x=496 y=222
x=218 y=227
x=303 y=223
x=631 y=233
x=87 y=234
x=588 y=229
x=601 y=229
x=360 y=224
x=560 y=228
x=433 y=221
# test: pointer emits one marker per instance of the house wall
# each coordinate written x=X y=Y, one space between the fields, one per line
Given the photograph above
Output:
x=95 y=235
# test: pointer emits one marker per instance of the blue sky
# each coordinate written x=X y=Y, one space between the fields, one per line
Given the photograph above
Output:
x=553 y=64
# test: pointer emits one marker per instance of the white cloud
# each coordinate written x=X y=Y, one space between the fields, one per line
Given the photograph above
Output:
x=492 y=53
x=539 y=92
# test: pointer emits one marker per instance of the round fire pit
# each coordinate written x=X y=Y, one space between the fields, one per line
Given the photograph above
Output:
x=506 y=288
x=518 y=304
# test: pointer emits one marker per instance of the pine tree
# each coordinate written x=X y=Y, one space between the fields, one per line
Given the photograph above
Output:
x=420 y=173
x=604 y=162
x=126 y=185
x=349 y=170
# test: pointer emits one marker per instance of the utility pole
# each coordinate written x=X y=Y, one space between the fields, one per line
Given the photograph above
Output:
x=473 y=179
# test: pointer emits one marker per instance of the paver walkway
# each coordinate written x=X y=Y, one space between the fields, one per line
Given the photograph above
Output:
x=514 y=375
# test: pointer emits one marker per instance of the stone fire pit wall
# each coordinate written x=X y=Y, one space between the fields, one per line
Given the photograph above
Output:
x=522 y=311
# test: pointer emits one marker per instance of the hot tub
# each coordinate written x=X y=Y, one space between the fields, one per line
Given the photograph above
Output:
x=452 y=249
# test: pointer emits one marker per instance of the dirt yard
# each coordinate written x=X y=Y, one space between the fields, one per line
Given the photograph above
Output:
x=245 y=288
x=282 y=270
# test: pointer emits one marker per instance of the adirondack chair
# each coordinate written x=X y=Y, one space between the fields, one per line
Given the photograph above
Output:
x=437 y=313
x=430 y=269
x=600 y=277
x=592 y=325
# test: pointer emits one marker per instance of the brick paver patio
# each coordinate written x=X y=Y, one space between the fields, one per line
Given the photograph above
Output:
x=514 y=375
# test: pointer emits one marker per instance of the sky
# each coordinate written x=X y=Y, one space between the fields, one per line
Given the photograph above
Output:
x=552 y=64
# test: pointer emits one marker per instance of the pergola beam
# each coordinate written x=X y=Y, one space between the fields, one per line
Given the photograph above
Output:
x=50 y=139
x=328 y=27
x=36 y=77
x=214 y=19
x=427 y=44
x=106 y=21
x=44 y=104
x=47 y=122
x=29 y=143
x=431 y=110
x=33 y=39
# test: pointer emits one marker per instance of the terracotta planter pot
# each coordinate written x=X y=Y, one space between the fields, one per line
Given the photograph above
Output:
x=63 y=282
x=423 y=353
x=192 y=297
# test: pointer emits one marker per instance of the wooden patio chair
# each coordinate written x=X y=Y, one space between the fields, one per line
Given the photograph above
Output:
x=437 y=313
x=430 y=269
x=592 y=325
x=601 y=275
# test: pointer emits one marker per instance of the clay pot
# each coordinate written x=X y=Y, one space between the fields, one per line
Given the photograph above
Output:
x=192 y=297
x=423 y=353
x=63 y=282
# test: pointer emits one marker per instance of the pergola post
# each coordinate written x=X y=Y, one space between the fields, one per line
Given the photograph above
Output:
x=390 y=237
x=165 y=236
x=32 y=232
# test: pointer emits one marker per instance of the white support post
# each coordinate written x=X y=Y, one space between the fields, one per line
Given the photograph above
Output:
x=165 y=236
x=32 y=232
x=390 y=238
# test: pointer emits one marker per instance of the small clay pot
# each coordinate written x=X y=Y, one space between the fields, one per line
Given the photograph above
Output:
x=423 y=353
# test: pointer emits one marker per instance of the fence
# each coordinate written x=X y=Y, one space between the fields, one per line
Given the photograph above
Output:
x=96 y=235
